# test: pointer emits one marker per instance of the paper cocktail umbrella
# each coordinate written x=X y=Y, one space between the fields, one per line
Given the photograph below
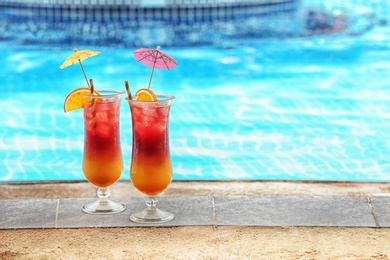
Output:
x=78 y=57
x=155 y=59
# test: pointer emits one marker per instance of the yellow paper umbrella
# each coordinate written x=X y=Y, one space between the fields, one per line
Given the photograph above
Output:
x=77 y=57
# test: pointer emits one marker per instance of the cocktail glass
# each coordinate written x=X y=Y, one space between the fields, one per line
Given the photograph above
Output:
x=102 y=158
x=151 y=167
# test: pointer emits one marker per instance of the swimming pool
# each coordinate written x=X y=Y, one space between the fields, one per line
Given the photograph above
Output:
x=291 y=108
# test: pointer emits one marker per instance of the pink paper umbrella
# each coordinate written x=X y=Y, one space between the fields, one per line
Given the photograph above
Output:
x=155 y=59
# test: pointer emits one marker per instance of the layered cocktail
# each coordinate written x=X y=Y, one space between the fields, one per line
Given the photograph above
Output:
x=151 y=167
x=102 y=159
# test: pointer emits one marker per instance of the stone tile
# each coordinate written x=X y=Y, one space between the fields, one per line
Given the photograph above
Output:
x=28 y=213
x=246 y=210
x=381 y=207
x=294 y=211
x=187 y=211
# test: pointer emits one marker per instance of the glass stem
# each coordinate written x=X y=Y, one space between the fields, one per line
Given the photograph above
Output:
x=151 y=203
x=103 y=193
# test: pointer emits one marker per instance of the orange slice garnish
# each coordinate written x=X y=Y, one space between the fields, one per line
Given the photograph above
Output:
x=145 y=94
x=74 y=100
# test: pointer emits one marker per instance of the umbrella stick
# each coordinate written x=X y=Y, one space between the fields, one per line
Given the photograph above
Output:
x=151 y=76
x=85 y=75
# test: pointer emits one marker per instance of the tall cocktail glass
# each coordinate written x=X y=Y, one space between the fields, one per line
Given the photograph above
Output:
x=102 y=158
x=151 y=167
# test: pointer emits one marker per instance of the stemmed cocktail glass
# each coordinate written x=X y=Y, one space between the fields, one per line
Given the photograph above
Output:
x=102 y=158
x=151 y=167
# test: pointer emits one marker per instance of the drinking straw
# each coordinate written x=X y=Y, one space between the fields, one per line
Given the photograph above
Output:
x=128 y=89
x=93 y=104
x=92 y=86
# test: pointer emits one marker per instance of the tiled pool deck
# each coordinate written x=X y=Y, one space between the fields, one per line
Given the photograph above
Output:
x=343 y=210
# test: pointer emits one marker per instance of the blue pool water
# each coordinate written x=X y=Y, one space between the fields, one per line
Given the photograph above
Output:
x=296 y=108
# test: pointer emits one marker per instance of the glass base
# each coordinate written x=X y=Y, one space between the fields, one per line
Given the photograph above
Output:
x=152 y=216
x=103 y=206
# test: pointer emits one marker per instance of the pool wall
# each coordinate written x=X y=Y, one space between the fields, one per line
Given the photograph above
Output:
x=132 y=23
